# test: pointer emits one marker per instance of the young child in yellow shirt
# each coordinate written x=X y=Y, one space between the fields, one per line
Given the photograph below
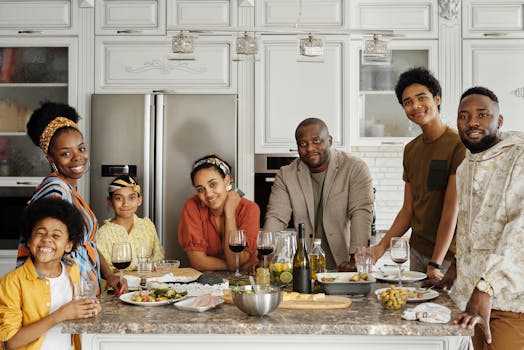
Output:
x=36 y=297
x=125 y=198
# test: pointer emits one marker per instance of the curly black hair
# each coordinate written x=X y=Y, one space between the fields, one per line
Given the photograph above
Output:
x=208 y=165
x=56 y=208
x=44 y=115
x=480 y=90
x=418 y=75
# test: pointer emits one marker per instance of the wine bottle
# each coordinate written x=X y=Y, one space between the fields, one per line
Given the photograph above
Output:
x=301 y=264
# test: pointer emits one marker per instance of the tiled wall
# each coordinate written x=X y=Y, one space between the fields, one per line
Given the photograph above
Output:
x=385 y=163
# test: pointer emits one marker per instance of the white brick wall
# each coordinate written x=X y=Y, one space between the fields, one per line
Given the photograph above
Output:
x=385 y=163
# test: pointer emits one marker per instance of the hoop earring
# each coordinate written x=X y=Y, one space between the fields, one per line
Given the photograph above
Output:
x=88 y=167
x=53 y=167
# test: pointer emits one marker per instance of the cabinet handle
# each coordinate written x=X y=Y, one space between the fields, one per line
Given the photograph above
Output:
x=30 y=183
x=293 y=150
x=495 y=34
x=391 y=143
x=128 y=31
x=29 y=32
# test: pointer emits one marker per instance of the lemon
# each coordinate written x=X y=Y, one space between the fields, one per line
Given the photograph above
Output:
x=286 y=277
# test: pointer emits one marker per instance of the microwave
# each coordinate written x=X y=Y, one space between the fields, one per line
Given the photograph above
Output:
x=13 y=201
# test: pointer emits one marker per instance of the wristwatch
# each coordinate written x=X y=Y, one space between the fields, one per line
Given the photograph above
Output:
x=484 y=287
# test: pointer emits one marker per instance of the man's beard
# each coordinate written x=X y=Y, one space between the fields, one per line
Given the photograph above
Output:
x=483 y=145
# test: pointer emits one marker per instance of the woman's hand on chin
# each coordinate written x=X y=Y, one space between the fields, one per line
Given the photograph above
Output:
x=232 y=202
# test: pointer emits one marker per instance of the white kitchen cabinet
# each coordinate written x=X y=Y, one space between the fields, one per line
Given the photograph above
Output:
x=31 y=70
x=413 y=19
x=134 y=64
x=38 y=17
x=7 y=261
x=214 y=13
x=498 y=65
x=376 y=116
x=130 y=17
x=323 y=13
x=493 y=18
x=287 y=91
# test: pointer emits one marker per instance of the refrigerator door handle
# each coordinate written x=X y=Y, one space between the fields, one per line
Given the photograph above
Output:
x=159 y=166
x=147 y=156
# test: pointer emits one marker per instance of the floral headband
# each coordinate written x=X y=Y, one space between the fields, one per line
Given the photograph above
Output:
x=51 y=128
x=121 y=183
x=215 y=161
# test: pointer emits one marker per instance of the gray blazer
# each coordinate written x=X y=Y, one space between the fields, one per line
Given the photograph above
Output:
x=347 y=202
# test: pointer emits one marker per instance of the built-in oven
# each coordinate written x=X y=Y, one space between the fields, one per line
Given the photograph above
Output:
x=13 y=200
x=266 y=167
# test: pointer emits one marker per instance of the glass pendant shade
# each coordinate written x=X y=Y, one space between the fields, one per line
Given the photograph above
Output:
x=376 y=51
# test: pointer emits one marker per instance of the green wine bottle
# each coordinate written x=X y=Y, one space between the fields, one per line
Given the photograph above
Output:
x=301 y=264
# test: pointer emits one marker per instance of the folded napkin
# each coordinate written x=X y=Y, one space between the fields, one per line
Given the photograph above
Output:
x=170 y=278
x=428 y=312
x=132 y=281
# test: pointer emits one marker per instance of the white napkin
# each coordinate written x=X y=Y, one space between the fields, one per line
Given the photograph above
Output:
x=428 y=312
x=170 y=278
x=132 y=281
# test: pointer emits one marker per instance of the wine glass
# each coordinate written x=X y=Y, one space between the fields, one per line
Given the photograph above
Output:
x=121 y=257
x=237 y=243
x=265 y=244
x=399 y=250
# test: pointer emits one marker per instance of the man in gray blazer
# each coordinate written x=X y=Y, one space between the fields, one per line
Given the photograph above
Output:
x=328 y=190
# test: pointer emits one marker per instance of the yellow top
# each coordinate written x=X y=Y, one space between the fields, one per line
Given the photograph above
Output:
x=143 y=234
x=25 y=298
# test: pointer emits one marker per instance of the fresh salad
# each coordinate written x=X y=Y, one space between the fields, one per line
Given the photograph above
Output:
x=157 y=295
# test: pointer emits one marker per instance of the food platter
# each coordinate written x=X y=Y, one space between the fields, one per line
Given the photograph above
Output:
x=420 y=295
x=392 y=276
x=188 y=305
x=128 y=298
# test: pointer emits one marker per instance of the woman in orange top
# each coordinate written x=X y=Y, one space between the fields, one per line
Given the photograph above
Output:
x=210 y=215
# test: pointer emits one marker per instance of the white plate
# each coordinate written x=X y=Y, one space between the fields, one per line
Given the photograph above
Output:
x=127 y=299
x=428 y=295
x=392 y=276
x=187 y=305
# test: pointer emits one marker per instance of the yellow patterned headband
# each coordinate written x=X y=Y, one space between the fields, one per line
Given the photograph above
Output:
x=51 y=128
x=121 y=183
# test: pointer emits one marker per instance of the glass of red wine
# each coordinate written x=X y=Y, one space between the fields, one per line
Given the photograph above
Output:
x=399 y=250
x=121 y=258
x=237 y=243
x=265 y=244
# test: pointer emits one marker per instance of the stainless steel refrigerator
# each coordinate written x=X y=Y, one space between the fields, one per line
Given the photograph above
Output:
x=156 y=138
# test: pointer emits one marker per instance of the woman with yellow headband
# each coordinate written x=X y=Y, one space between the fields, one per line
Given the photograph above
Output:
x=53 y=128
x=125 y=198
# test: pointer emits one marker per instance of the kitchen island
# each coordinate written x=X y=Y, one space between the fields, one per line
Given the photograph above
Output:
x=365 y=325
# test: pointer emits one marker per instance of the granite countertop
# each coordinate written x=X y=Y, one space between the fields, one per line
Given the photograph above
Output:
x=365 y=317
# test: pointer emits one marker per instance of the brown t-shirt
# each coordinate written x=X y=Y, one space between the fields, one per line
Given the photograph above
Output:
x=427 y=167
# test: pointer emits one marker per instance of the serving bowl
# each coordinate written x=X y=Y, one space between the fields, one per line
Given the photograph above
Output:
x=166 y=266
x=341 y=283
x=260 y=303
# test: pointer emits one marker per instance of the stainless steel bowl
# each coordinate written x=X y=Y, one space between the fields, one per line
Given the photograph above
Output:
x=259 y=303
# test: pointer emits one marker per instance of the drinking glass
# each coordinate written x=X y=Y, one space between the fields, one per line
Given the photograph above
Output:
x=237 y=243
x=144 y=266
x=121 y=257
x=399 y=250
x=364 y=259
x=85 y=290
x=265 y=244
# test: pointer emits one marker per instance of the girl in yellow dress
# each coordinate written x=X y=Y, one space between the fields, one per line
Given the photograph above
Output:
x=125 y=198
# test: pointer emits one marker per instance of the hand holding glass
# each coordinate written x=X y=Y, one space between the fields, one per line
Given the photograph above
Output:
x=237 y=243
x=121 y=257
x=399 y=250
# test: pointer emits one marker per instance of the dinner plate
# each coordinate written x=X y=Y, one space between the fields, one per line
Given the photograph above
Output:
x=126 y=298
x=392 y=276
x=187 y=305
x=427 y=295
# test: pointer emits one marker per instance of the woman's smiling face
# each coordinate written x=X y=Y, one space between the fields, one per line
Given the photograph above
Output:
x=211 y=187
x=69 y=153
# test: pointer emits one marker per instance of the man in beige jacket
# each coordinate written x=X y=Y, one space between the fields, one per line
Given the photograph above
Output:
x=328 y=190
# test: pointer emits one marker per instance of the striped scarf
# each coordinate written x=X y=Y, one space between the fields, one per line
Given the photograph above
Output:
x=85 y=255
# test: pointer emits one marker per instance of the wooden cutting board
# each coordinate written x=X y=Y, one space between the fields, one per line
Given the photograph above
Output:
x=328 y=303
x=182 y=272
